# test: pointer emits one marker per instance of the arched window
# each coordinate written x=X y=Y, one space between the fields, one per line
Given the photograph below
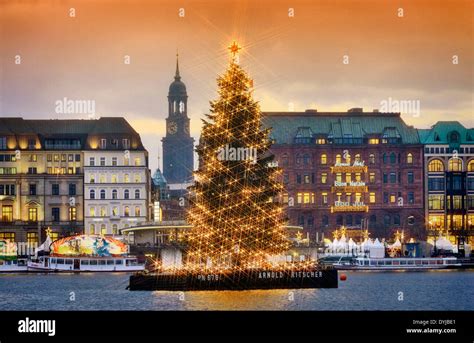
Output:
x=372 y=159
x=310 y=221
x=103 y=230
x=455 y=164
x=384 y=158
x=137 y=194
x=373 y=220
x=92 y=194
x=301 y=220
x=92 y=211
x=102 y=193
x=306 y=159
x=435 y=166
x=114 y=194
x=92 y=229
x=470 y=166
x=348 y=158
x=338 y=159
x=339 y=220
x=454 y=137
x=126 y=178
x=393 y=158
x=386 y=220
x=324 y=159
x=126 y=194
x=396 y=219
x=409 y=158
x=284 y=160
x=358 y=220
x=114 y=229
x=126 y=211
x=103 y=212
x=115 y=212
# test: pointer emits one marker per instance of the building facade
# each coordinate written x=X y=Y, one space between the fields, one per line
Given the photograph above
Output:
x=357 y=170
x=45 y=177
x=449 y=181
x=178 y=145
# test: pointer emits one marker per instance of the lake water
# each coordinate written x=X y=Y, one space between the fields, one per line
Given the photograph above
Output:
x=434 y=290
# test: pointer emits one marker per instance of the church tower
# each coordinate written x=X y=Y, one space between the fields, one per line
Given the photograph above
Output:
x=178 y=145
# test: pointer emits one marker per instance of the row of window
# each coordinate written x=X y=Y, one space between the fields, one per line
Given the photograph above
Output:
x=441 y=150
x=115 y=179
x=309 y=178
x=454 y=202
x=455 y=164
x=8 y=189
x=102 y=162
x=350 y=220
x=7 y=214
x=103 y=194
x=102 y=229
x=310 y=198
x=455 y=183
x=58 y=158
x=386 y=158
x=102 y=212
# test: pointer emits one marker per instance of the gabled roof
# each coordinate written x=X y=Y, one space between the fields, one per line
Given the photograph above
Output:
x=441 y=131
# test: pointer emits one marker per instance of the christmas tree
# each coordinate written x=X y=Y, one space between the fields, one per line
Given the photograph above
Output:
x=237 y=220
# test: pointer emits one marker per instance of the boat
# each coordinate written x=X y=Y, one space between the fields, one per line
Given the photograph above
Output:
x=17 y=265
x=400 y=264
x=85 y=264
x=84 y=253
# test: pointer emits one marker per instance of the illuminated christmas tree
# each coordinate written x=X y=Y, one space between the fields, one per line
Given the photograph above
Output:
x=237 y=222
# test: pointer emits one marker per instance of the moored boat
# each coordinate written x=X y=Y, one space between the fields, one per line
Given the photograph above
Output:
x=401 y=264
x=85 y=264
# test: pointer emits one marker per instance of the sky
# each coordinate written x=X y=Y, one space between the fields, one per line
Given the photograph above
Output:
x=293 y=49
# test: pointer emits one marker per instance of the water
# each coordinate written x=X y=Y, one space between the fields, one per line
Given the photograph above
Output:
x=435 y=290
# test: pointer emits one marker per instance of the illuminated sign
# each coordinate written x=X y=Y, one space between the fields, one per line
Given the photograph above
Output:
x=341 y=206
x=88 y=245
x=349 y=187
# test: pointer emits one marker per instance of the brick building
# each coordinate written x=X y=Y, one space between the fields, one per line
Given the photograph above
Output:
x=350 y=169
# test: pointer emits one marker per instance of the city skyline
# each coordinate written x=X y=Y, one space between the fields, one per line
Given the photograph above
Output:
x=82 y=58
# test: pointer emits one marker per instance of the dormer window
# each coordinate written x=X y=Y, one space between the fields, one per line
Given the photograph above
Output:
x=103 y=143
x=114 y=143
x=126 y=143
x=454 y=137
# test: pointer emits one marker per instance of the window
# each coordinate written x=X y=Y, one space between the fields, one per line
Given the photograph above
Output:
x=92 y=211
x=55 y=189
x=114 y=178
x=32 y=190
x=115 y=212
x=410 y=177
x=92 y=229
x=373 y=220
x=102 y=161
x=137 y=161
x=385 y=178
x=396 y=219
x=92 y=161
x=72 y=214
x=92 y=179
x=126 y=178
x=371 y=177
x=102 y=179
x=384 y=158
x=92 y=194
x=114 y=161
x=324 y=198
x=102 y=194
x=32 y=238
x=126 y=194
x=126 y=143
x=373 y=141
x=32 y=170
x=114 y=229
x=470 y=166
x=393 y=158
x=324 y=159
x=386 y=220
x=114 y=143
x=410 y=158
x=372 y=159
x=286 y=178
x=55 y=214
x=56 y=157
x=137 y=211
x=298 y=159
x=393 y=177
x=103 y=212
x=72 y=189
x=338 y=159
x=137 y=194
x=126 y=211
x=393 y=198
x=385 y=197
x=298 y=178
x=349 y=220
x=435 y=166
x=436 y=202
x=320 y=141
x=339 y=177
x=455 y=164
x=77 y=158
x=339 y=220
x=411 y=198
x=348 y=177
x=103 y=229
x=306 y=178
x=324 y=178
x=103 y=143
x=7 y=213
x=325 y=221
x=470 y=183
x=138 y=178
x=8 y=236
x=284 y=160
x=32 y=214
x=372 y=198
x=114 y=194
x=3 y=143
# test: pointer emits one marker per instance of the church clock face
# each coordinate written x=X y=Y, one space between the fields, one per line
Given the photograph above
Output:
x=172 y=127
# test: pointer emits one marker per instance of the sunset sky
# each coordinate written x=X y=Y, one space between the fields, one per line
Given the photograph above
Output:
x=292 y=59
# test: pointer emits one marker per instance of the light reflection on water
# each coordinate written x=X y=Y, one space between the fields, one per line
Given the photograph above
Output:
x=438 y=290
